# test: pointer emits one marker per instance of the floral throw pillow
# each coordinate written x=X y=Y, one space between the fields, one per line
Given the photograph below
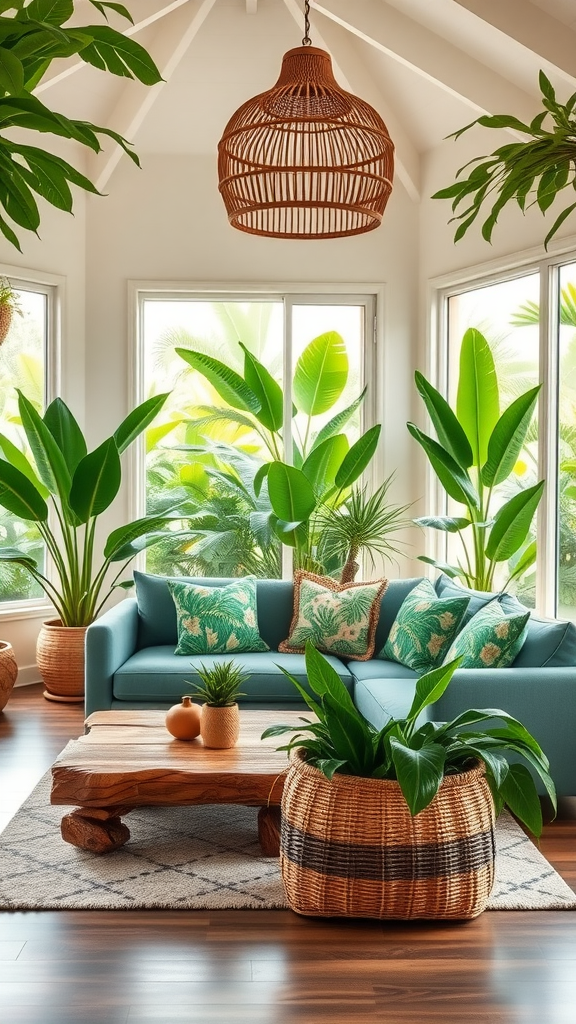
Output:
x=337 y=618
x=491 y=639
x=217 y=620
x=424 y=628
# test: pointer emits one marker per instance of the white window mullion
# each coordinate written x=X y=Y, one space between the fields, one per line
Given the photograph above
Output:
x=287 y=551
x=547 y=523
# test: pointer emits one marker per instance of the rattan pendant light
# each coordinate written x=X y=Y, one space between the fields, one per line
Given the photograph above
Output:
x=305 y=159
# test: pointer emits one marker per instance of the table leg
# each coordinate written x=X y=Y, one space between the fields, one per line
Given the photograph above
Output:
x=95 y=829
x=269 y=830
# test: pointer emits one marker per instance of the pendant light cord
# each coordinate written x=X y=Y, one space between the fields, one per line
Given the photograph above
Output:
x=306 y=41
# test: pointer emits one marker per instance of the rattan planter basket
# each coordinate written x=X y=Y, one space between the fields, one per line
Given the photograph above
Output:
x=350 y=847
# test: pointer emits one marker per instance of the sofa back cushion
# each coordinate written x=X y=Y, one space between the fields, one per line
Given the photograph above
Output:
x=445 y=587
x=157 y=622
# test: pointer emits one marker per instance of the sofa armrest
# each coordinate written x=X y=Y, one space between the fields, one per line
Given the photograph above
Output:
x=110 y=641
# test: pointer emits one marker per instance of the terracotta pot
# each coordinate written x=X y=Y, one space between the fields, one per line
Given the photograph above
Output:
x=8 y=672
x=183 y=720
x=350 y=848
x=60 y=658
x=220 y=727
x=6 y=314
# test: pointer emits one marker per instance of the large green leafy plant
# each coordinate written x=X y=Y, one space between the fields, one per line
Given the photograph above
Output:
x=324 y=464
x=531 y=172
x=63 y=493
x=32 y=36
x=418 y=756
x=476 y=451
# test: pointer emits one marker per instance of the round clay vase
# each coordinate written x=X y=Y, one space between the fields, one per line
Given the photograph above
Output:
x=8 y=672
x=183 y=720
x=60 y=658
x=220 y=727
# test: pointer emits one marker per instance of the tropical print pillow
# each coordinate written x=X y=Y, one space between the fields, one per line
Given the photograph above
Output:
x=337 y=618
x=217 y=620
x=424 y=628
x=491 y=639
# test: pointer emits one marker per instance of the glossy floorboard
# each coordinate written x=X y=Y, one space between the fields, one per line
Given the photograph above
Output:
x=262 y=967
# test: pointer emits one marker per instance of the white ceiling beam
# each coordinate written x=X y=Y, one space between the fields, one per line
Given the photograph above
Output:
x=136 y=100
x=132 y=30
x=251 y=6
x=353 y=77
x=540 y=33
x=428 y=55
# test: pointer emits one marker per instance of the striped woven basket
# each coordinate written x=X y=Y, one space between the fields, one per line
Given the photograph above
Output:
x=350 y=847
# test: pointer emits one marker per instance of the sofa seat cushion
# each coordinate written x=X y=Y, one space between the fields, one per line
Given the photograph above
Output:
x=381 y=699
x=157 y=674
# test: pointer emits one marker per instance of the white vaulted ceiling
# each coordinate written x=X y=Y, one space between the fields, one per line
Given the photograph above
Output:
x=428 y=66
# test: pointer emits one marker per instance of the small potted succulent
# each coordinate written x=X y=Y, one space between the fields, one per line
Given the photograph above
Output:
x=220 y=689
x=8 y=306
x=399 y=822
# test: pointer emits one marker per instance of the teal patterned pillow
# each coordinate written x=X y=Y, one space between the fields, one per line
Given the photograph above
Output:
x=424 y=628
x=338 y=618
x=491 y=639
x=217 y=620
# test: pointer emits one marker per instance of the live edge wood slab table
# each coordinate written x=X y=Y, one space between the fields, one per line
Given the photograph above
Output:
x=128 y=759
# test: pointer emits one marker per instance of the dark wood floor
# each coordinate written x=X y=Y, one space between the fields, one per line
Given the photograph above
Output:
x=263 y=967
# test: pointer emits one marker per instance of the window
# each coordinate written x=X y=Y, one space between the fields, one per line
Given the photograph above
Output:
x=208 y=450
x=24 y=362
x=528 y=318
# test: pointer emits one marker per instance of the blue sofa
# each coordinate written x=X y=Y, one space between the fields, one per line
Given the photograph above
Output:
x=130 y=663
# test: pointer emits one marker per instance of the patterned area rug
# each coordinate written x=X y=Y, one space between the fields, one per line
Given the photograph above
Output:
x=203 y=858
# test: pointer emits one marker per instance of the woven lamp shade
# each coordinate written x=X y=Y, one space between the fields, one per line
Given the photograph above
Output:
x=305 y=159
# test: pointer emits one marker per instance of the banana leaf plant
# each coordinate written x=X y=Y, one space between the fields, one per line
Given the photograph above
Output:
x=324 y=464
x=63 y=491
x=418 y=755
x=530 y=172
x=476 y=450
x=32 y=36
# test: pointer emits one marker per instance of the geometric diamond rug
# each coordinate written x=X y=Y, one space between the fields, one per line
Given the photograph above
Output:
x=203 y=858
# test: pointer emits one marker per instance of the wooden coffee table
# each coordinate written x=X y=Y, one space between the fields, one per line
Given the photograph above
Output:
x=128 y=759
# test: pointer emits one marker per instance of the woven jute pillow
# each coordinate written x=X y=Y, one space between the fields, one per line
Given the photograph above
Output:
x=337 y=618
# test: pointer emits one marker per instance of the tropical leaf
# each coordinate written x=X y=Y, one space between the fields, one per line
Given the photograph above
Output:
x=321 y=373
x=66 y=432
x=291 y=493
x=453 y=478
x=339 y=421
x=512 y=523
x=19 y=495
x=267 y=391
x=357 y=459
x=231 y=387
x=324 y=462
x=507 y=438
x=451 y=434
x=96 y=481
x=477 y=402
x=137 y=420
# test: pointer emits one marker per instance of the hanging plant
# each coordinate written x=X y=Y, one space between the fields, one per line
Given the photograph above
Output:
x=9 y=305
x=529 y=173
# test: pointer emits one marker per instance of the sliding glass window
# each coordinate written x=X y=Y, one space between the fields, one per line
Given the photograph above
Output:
x=305 y=357
x=23 y=366
x=528 y=318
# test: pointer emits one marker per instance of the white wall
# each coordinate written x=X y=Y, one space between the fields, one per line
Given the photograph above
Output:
x=60 y=251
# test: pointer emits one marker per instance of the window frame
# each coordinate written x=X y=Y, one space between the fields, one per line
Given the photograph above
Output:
x=440 y=290
x=52 y=286
x=371 y=296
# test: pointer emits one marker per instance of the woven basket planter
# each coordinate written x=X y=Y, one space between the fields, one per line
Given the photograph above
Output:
x=8 y=672
x=350 y=847
x=6 y=314
x=60 y=658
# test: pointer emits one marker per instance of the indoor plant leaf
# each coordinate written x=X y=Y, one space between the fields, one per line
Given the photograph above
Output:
x=231 y=387
x=512 y=523
x=507 y=438
x=49 y=460
x=291 y=493
x=324 y=461
x=451 y=434
x=137 y=420
x=267 y=391
x=16 y=458
x=453 y=478
x=356 y=460
x=96 y=481
x=477 y=403
x=419 y=772
x=66 y=432
x=518 y=791
x=339 y=420
x=19 y=496
x=321 y=373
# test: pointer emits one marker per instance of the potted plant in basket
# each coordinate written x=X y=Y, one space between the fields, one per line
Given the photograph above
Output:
x=220 y=689
x=63 y=492
x=8 y=306
x=399 y=822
